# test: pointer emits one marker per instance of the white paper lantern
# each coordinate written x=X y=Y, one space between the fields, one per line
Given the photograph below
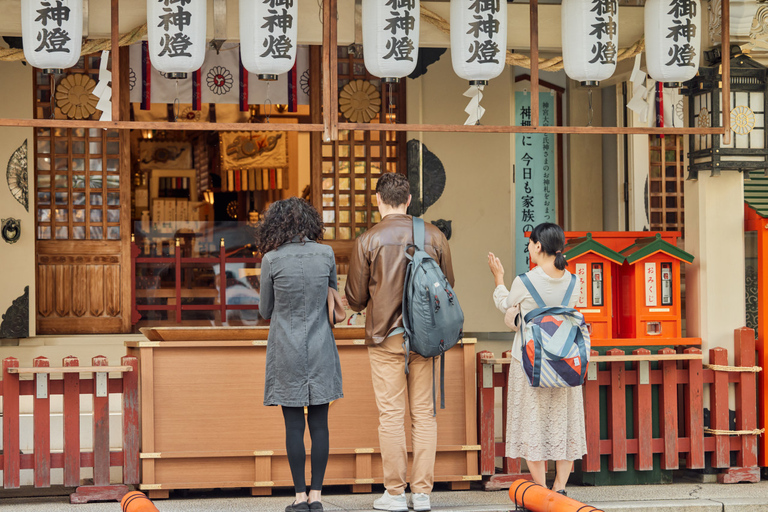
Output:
x=672 y=40
x=268 y=36
x=478 y=39
x=590 y=32
x=176 y=35
x=390 y=37
x=52 y=33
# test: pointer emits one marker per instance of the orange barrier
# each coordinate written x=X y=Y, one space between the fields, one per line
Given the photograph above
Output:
x=531 y=496
x=137 y=502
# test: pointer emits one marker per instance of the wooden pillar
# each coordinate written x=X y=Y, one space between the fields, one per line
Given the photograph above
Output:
x=714 y=234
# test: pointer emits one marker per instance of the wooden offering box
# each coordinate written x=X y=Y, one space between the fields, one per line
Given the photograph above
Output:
x=650 y=306
x=594 y=265
x=204 y=425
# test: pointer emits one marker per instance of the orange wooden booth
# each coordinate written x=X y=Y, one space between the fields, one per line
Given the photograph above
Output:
x=610 y=243
x=203 y=424
x=651 y=301
x=754 y=221
x=595 y=265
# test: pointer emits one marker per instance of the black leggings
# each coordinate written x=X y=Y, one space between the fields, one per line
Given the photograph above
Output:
x=294 y=444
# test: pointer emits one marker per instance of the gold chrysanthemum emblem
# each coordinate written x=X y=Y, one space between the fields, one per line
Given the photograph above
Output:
x=75 y=98
x=359 y=101
x=742 y=120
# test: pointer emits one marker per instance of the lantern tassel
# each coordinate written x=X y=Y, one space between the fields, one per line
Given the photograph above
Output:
x=473 y=109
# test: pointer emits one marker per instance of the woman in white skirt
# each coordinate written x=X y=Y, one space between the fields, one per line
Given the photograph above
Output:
x=542 y=423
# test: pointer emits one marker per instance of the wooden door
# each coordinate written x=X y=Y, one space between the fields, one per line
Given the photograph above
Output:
x=82 y=201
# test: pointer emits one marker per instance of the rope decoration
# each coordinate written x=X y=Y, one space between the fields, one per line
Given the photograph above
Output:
x=715 y=432
x=738 y=369
x=90 y=46
x=523 y=61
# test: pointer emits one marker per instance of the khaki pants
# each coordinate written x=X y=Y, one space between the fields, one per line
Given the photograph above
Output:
x=394 y=390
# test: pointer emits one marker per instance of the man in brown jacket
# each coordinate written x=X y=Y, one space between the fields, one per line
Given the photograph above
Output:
x=376 y=279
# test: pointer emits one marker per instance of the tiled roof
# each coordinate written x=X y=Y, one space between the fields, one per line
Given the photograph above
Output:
x=644 y=247
x=578 y=246
x=756 y=194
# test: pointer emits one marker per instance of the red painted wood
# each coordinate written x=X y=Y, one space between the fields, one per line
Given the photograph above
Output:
x=643 y=419
x=88 y=493
x=668 y=413
x=746 y=396
x=591 y=461
x=718 y=405
x=694 y=411
x=27 y=460
x=617 y=414
x=100 y=431
x=71 y=399
x=485 y=417
x=736 y=475
x=131 y=421
x=42 y=428
x=509 y=465
x=10 y=425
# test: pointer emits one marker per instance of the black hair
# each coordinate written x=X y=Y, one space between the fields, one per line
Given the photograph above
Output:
x=393 y=188
x=286 y=220
x=552 y=241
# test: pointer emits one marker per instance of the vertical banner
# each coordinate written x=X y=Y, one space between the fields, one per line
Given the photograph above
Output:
x=650 y=284
x=534 y=173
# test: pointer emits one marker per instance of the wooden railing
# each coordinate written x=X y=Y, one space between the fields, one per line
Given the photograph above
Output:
x=71 y=387
x=681 y=425
x=218 y=297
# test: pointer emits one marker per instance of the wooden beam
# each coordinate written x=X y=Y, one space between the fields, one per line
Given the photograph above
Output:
x=333 y=113
x=116 y=64
x=330 y=72
x=315 y=110
x=534 y=28
x=371 y=127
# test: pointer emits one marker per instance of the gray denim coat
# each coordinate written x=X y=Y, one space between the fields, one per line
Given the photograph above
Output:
x=303 y=366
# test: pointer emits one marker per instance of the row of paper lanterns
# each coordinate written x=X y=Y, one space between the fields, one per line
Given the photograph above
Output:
x=52 y=32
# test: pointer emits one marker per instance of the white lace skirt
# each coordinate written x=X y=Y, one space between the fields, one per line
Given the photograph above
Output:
x=543 y=423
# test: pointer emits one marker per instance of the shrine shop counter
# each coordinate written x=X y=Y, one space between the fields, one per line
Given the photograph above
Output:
x=204 y=425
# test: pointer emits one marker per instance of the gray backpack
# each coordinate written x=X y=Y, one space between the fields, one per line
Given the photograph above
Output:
x=432 y=318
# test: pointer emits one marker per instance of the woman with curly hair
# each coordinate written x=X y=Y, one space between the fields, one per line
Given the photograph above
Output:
x=303 y=367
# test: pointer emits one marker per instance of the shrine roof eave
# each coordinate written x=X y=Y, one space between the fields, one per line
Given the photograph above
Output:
x=646 y=247
x=756 y=194
x=579 y=246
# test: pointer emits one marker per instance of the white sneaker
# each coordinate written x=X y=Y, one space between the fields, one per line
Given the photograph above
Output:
x=392 y=503
x=420 y=502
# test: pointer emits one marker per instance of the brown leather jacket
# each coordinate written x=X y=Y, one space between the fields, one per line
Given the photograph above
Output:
x=377 y=272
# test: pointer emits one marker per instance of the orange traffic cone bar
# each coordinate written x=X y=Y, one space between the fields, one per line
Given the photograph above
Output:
x=137 y=502
x=530 y=496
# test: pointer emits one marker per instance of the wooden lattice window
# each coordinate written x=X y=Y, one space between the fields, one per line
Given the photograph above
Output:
x=77 y=172
x=351 y=166
x=82 y=200
x=665 y=183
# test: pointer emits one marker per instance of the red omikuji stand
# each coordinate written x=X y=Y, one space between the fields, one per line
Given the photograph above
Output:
x=651 y=297
x=596 y=267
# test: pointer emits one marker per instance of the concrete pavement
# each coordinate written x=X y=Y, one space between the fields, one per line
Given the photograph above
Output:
x=676 y=497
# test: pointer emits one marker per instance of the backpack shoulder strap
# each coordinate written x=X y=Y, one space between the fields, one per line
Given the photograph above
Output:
x=532 y=290
x=569 y=291
x=418 y=233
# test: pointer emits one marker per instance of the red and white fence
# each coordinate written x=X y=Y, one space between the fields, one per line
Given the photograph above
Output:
x=681 y=381
x=71 y=386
